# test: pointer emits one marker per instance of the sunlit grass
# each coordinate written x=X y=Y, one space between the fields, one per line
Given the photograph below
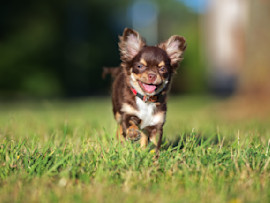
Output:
x=67 y=151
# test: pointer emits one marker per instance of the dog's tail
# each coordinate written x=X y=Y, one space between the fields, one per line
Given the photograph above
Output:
x=113 y=71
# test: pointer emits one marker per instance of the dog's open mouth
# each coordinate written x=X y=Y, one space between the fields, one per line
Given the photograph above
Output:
x=149 y=88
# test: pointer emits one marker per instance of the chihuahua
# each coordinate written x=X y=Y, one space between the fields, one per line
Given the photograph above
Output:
x=141 y=85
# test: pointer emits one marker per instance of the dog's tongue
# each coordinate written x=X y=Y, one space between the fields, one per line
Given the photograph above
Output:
x=149 y=88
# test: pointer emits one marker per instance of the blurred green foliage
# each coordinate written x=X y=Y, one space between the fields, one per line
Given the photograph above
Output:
x=58 y=48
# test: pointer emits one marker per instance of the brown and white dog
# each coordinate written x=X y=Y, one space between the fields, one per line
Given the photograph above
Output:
x=141 y=85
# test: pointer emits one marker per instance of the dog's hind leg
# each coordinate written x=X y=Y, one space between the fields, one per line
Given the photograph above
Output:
x=144 y=140
x=119 y=133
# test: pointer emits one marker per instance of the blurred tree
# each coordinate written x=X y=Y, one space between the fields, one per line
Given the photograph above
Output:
x=55 y=48
x=255 y=76
x=177 y=19
x=58 y=48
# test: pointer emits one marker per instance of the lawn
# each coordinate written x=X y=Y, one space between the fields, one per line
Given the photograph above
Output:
x=53 y=151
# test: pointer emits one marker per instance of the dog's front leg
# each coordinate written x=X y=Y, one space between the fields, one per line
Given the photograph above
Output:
x=160 y=132
x=154 y=132
x=130 y=127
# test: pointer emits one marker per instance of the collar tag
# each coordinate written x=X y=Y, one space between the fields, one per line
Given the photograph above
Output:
x=145 y=98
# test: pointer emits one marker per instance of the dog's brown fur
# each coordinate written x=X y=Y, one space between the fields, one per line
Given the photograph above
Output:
x=139 y=110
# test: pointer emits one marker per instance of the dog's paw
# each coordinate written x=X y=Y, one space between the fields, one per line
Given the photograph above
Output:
x=133 y=133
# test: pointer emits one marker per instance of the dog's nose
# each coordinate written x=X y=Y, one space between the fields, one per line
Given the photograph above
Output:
x=152 y=77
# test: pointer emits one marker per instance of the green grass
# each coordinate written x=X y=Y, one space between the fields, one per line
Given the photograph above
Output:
x=67 y=152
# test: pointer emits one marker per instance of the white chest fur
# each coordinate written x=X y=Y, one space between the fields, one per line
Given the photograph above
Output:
x=146 y=112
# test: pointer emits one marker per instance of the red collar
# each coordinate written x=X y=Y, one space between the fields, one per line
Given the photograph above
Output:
x=145 y=98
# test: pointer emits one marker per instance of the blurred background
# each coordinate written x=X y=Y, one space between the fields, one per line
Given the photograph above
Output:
x=56 y=49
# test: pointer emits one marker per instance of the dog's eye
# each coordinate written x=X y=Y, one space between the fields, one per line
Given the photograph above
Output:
x=163 y=69
x=139 y=66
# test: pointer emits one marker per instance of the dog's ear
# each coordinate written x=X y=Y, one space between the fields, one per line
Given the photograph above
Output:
x=130 y=44
x=175 y=47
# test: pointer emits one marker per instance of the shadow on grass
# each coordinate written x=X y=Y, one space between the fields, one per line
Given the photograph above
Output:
x=195 y=140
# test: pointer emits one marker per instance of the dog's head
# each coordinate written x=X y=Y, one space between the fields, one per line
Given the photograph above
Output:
x=150 y=67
